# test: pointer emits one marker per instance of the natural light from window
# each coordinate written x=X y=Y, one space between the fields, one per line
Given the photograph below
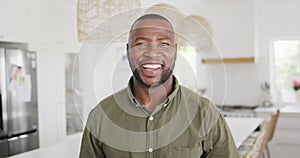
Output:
x=287 y=68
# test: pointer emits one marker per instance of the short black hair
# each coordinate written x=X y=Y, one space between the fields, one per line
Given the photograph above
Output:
x=152 y=16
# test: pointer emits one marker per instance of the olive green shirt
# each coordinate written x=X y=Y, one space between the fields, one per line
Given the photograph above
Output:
x=186 y=125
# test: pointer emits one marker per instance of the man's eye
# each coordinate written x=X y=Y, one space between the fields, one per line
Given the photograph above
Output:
x=140 y=44
x=165 y=44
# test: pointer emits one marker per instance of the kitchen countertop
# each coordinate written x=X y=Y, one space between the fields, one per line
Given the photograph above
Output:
x=290 y=111
x=284 y=110
x=242 y=128
x=67 y=149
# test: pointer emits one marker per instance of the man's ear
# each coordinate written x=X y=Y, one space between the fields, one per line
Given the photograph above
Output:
x=127 y=51
x=175 y=51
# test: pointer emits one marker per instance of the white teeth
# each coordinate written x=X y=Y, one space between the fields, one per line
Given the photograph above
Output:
x=152 y=66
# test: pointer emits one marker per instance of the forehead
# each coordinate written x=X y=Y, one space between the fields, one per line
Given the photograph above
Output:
x=152 y=23
x=151 y=27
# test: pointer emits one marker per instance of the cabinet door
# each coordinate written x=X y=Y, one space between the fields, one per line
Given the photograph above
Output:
x=53 y=23
x=51 y=96
x=42 y=22
x=67 y=20
x=14 y=20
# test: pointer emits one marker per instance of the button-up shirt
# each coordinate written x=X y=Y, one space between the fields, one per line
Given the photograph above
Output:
x=186 y=125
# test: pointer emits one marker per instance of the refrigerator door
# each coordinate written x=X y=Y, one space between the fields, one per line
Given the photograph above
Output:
x=23 y=143
x=21 y=89
x=4 y=146
x=3 y=96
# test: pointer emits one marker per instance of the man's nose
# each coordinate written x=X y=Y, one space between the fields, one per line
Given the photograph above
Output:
x=152 y=50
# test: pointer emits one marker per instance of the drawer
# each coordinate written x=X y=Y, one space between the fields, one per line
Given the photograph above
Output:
x=281 y=151
x=4 y=148
x=286 y=137
x=288 y=123
x=23 y=143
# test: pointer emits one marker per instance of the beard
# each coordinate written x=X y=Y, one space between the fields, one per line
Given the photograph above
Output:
x=165 y=75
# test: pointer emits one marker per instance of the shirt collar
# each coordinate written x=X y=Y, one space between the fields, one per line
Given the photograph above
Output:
x=168 y=100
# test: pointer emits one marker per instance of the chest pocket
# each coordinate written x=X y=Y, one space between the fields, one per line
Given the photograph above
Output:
x=186 y=152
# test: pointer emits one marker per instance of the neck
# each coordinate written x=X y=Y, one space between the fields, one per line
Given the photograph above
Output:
x=153 y=96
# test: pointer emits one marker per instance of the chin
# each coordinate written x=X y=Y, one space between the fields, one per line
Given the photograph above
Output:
x=150 y=83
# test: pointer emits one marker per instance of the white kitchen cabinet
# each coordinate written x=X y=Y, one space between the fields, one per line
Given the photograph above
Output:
x=67 y=25
x=14 y=21
x=286 y=140
x=51 y=96
x=53 y=24
x=52 y=33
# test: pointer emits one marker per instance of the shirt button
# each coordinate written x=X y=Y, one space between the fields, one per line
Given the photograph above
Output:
x=151 y=118
x=150 y=150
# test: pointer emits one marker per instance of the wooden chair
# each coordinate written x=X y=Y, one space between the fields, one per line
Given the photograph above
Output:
x=258 y=147
x=265 y=135
x=269 y=126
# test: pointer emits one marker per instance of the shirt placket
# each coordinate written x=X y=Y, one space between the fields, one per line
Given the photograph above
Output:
x=151 y=137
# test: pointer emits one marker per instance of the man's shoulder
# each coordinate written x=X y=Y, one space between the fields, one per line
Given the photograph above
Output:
x=110 y=101
x=193 y=96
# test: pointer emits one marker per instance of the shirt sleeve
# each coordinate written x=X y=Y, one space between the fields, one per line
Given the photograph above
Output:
x=91 y=147
x=223 y=144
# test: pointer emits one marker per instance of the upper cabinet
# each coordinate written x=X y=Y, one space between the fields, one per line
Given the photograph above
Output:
x=67 y=21
x=14 y=21
x=53 y=24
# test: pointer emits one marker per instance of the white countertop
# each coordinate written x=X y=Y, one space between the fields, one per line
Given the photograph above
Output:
x=286 y=110
x=67 y=149
x=292 y=109
x=241 y=128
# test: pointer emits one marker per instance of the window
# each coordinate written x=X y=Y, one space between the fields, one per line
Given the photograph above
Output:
x=286 y=68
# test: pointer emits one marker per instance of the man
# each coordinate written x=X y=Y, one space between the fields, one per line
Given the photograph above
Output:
x=155 y=117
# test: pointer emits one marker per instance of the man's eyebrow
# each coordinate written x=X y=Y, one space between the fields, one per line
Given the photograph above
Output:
x=140 y=38
x=164 y=38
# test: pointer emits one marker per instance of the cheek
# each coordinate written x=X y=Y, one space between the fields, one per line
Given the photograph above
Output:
x=171 y=58
x=135 y=55
x=132 y=59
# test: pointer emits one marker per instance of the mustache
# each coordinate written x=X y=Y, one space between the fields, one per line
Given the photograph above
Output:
x=151 y=60
x=167 y=73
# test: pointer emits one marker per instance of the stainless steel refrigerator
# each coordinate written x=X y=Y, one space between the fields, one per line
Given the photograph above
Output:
x=18 y=96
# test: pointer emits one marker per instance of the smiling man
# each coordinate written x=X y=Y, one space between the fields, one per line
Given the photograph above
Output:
x=151 y=52
x=155 y=117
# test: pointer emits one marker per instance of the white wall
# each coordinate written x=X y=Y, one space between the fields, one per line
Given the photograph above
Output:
x=277 y=20
x=232 y=23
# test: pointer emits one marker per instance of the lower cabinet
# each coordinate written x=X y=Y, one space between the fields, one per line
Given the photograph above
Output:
x=286 y=139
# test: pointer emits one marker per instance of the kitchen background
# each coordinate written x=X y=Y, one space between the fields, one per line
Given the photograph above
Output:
x=239 y=28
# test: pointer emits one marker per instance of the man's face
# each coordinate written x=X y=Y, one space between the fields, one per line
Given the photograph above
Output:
x=151 y=51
